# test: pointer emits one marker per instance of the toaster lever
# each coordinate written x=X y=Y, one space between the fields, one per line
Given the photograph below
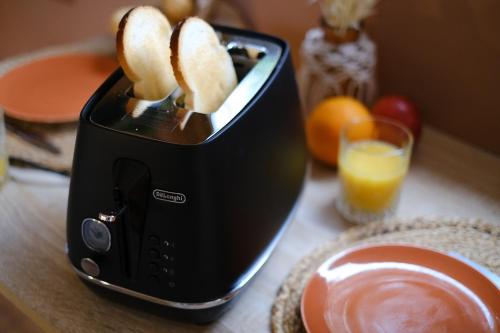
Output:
x=131 y=193
x=113 y=215
x=107 y=217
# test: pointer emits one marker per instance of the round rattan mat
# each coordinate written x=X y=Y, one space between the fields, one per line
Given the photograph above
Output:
x=474 y=239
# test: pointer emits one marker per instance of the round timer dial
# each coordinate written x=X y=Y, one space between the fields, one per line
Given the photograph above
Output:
x=96 y=235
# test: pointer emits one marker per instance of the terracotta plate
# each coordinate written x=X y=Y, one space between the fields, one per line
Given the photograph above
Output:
x=397 y=288
x=54 y=89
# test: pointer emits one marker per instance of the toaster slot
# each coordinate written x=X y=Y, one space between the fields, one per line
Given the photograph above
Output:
x=131 y=192
x=166 y=120
x=242 y=61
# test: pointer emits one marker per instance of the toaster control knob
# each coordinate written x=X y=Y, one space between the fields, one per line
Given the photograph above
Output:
x=90 y=267
x=96 y=235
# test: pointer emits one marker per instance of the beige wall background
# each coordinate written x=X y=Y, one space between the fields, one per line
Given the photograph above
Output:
x=444 y=54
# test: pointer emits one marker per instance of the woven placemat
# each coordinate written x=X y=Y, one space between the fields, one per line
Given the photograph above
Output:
x=474 y=239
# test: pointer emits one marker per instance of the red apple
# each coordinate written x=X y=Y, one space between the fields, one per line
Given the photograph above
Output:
x=401 y=109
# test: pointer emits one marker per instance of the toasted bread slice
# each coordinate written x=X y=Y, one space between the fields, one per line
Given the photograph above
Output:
x=202 y=66
x=143 y=49
x=177 y=10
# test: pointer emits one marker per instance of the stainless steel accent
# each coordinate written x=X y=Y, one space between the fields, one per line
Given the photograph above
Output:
x=251 y=83
x=107 y=217
x=90 y=228
x=203 y=305
x=160 y=301
x=90 y=267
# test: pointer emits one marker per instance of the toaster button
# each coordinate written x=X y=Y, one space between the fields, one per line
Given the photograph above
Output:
x=168 y=257
x=153 y=279
x=90 y=267
x=154 y=240
x=169 y=244
x=154 y=254
x=153 y=267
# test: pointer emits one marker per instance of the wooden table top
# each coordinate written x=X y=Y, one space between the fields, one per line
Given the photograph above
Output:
x=447 y=178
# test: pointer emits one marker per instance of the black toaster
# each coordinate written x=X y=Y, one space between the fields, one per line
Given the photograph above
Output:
x=180 y=208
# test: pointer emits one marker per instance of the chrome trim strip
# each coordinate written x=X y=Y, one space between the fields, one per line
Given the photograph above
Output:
x=160 y=301
x=203 y=305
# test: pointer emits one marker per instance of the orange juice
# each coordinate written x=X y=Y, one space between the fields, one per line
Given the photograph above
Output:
x=371 y=173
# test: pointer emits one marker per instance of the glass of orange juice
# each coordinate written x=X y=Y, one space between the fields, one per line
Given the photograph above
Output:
x=374 y=156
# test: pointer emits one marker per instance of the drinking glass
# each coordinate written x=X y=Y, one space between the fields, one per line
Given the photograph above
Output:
x=374 y=156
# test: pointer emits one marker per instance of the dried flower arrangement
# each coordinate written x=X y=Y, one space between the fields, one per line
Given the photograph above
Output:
x=339 y=58
x=344 y=14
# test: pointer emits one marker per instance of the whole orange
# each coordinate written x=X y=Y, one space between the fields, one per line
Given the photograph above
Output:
x=324 y=123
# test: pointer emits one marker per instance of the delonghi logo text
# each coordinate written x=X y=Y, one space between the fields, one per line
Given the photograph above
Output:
x=169 y=196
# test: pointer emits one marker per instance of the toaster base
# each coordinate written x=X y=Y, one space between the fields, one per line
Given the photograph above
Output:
x=199 y=313
x=198 y=317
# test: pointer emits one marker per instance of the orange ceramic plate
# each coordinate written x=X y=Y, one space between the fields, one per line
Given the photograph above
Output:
x=398 y=288
x=55 y=89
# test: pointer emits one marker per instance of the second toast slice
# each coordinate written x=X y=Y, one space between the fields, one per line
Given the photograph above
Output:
x=202 y=66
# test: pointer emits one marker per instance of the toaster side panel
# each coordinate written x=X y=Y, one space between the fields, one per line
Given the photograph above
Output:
x=255 y=169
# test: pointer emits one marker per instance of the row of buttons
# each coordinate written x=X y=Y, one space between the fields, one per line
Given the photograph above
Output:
x=162 y=262
x=155 y=241
x=155 y=254
x=155 y=268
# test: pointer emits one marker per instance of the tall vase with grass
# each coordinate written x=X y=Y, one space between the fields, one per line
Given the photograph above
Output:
x=338 y=57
